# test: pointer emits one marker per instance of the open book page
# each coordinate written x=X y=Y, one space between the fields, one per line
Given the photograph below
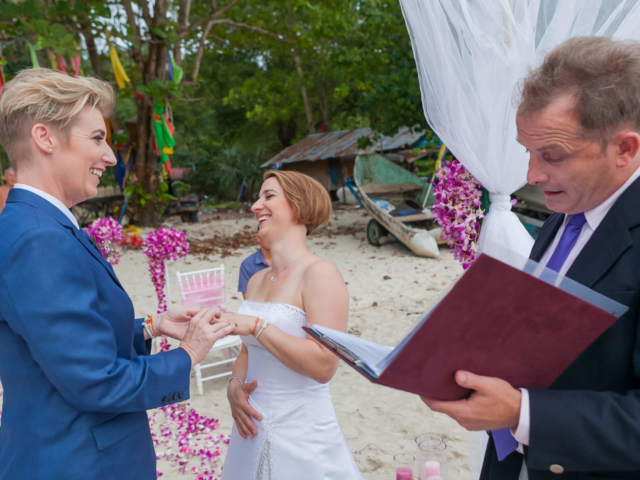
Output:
x=369 y=353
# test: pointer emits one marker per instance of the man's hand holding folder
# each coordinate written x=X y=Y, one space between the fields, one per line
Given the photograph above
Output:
x=494 y=404
x=504 y=325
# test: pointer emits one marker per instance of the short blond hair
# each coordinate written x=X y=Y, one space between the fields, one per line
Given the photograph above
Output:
x=308 y=199
x=45 y=96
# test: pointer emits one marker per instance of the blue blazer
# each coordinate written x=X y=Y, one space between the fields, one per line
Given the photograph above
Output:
x=76 y=371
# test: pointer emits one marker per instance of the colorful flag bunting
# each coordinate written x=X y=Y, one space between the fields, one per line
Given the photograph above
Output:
x=34 y=57
x=62 y=64
x=1 y=77
x=75 y=64
x=52 y=60
x=118 y=70
x=164 y=139
x=175 y=71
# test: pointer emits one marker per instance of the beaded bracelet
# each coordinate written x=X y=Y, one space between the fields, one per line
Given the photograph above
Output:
x=148 y=324
x=253 y=332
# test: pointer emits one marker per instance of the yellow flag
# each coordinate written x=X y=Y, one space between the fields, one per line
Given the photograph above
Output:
x=443 y=149
x=118 y=71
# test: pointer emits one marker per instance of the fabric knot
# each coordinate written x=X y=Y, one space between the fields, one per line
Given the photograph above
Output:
x=499 y=202
x=577 y=220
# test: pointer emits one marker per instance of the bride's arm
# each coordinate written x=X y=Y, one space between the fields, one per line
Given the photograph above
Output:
x=238 y=393
x=326 y=301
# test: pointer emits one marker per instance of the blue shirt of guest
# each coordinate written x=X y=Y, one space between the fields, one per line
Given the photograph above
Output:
x=249 y=267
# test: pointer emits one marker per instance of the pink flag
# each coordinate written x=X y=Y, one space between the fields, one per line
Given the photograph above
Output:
x=75 y=64
x=62 y=64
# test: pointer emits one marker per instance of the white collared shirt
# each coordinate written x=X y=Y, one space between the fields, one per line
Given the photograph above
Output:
x=594 y=218
x=51 y=199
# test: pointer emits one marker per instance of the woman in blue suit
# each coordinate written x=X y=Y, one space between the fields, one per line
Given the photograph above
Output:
x=74 y=362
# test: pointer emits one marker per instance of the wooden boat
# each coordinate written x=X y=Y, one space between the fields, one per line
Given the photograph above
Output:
x=399 y=203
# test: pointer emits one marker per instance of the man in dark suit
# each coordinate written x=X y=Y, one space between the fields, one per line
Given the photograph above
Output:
x=579 y=119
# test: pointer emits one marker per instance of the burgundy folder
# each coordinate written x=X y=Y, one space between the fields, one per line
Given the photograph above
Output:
x=496 y=321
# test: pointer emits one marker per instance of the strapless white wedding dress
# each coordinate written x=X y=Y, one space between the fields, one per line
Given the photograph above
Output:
x=299 y=436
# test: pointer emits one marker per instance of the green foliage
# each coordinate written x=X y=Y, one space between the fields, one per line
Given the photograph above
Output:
x=181 y=189
x=426 y=168
x=355 y=62
x=135 y=191
x=159 y=90
x=161 y=194
x=364 y=142
x=221 y=174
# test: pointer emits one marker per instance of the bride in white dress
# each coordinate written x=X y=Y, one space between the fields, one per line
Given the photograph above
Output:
x=285 y=426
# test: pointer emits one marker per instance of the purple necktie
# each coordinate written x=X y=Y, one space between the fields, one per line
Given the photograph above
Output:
x=503 y=440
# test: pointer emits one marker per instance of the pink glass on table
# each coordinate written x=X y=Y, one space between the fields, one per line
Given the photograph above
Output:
x=432 y=469
x=404 y=473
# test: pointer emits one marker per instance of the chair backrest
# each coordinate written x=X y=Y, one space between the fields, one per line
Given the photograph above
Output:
x=204 y=288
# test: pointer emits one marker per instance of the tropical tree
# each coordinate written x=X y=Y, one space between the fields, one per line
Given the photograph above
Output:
x=340 y=64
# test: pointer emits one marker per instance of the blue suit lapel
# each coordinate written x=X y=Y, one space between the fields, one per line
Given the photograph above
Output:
x=91 y=247
x=610 y=240
x=18 y=195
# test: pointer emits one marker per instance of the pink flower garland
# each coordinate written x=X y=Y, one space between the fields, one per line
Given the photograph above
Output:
x=160 y=245
x=176 y=440
x=457 y=210
x=107 y=234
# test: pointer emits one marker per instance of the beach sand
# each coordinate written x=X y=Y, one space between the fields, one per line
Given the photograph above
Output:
x=377 y=422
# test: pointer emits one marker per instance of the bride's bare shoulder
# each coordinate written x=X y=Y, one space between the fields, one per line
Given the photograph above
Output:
x=319 y=269
x=256 y=280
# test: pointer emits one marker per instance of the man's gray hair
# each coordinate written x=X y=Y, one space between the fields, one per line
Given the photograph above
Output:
x=602 y=74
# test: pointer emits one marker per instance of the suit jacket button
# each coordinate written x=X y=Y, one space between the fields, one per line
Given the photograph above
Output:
x=165 y=400
x=180 y=395
x=555 y=468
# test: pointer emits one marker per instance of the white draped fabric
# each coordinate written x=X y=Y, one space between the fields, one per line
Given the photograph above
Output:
x=470 y=55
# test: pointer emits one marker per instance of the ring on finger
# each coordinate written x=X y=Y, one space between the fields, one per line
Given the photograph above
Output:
x=211 y=321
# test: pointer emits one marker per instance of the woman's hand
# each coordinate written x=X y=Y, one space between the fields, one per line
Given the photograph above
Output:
x=241 y=410
x=245 y=323
x=175 y=322
x=203 y=332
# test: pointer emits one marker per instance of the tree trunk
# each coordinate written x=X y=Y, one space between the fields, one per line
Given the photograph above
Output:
x=289 y=22
x=146 y=163
x=287 y=131
x=93 y=51
x=323 y=101
x=183 y=19
x=305 y=97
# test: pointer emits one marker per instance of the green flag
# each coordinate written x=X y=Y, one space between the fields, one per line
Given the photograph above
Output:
x=34 y=57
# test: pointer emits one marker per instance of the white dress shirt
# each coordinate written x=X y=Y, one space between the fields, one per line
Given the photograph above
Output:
x=594 y=217
x=53 y=200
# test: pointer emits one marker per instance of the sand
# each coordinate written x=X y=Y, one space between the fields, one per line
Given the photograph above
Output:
x=377 y=422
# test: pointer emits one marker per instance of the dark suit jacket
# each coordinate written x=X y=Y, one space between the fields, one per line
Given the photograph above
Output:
x=76 y=372
x=588 y=421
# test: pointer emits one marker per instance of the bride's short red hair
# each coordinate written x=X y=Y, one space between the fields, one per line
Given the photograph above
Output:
x=307 y=197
